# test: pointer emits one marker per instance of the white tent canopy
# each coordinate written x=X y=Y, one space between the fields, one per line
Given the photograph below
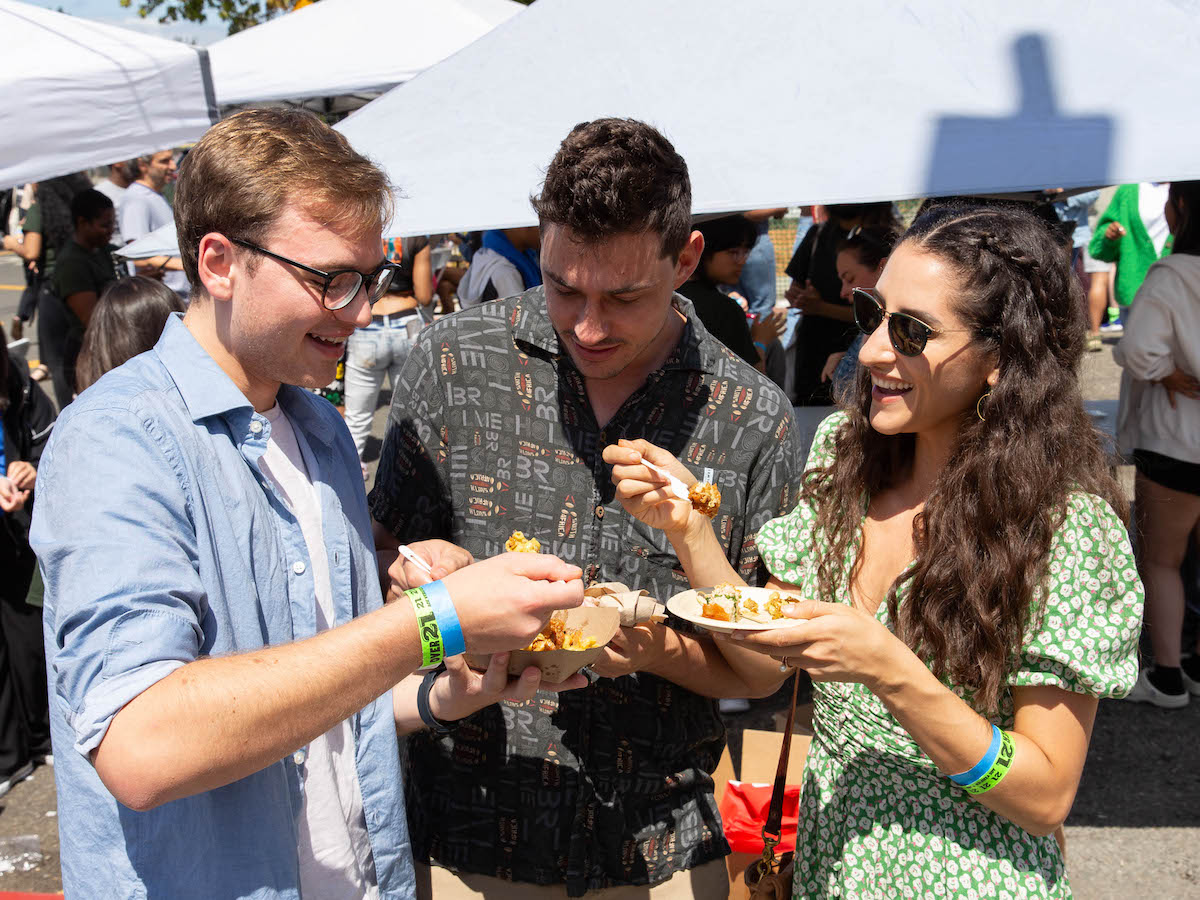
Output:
x=347 y=46
x=777 y=102
x=76 y=93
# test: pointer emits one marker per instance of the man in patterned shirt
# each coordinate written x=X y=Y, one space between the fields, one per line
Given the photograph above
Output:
x=497 y=425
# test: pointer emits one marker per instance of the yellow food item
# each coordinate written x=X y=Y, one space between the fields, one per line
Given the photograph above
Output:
x=518 y=543
x=576 y=641
x=556 y=637
x=775 y=605
x=705 y=497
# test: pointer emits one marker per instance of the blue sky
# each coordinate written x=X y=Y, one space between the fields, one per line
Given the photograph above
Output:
x=111 y=12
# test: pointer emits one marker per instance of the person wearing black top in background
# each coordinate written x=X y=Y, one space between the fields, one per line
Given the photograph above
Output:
x=27 y=417
x=828 y=323
x=727 y=243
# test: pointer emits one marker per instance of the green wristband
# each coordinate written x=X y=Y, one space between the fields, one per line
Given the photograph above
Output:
x=999 y=769
x=433 y=649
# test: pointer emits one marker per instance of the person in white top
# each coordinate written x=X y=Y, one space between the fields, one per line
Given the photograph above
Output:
x=1158 y=424
x=143 y=209
x=120 y=177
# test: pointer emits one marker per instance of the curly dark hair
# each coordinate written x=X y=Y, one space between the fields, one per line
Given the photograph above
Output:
x=983 y=538
x=618 y=176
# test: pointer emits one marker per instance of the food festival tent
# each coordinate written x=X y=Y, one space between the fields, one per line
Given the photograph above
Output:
x=76 y=93
x=347 y=46
x=776 y=102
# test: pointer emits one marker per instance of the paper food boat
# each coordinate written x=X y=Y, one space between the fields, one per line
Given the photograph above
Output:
x=635 y=607
x=556 y=666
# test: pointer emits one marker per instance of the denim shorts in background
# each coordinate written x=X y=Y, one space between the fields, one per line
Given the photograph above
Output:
x=372 y=352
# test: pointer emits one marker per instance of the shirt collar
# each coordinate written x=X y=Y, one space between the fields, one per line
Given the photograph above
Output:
x=208 y=391
x=204 y=386
x=531 y=325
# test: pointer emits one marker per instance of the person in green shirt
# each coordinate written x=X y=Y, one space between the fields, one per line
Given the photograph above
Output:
x=1132 y=232
x=83 y=269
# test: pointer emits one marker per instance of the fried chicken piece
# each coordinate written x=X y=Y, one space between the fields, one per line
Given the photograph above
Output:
x=775 y=605
x=518 y=543
x=556 y=637
x=749 y=606
x=705 y=498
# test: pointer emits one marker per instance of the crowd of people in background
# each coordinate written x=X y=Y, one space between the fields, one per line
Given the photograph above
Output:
x=1045 y=282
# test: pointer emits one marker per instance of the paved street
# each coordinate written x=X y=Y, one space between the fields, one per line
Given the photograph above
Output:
x=1134 y=830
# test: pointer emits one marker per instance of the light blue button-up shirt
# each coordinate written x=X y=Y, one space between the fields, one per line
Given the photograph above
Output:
x=161 y=541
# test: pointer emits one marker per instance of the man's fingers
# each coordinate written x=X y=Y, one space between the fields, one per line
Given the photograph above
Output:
x=650 y=494
x=495 y=679
x=542 y=567
x=576 y=681
x=621 y=454
x=526 y=686
x=551 y=595
x=415 y=577
x=636 y=473
x=652 y=452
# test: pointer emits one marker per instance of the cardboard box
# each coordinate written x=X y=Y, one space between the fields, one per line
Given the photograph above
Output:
x=759 y=759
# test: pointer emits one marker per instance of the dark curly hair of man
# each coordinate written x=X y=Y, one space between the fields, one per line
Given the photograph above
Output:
x=618 y=176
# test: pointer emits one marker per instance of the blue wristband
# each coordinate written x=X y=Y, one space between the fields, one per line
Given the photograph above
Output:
x=980 y=768
x=447 y=618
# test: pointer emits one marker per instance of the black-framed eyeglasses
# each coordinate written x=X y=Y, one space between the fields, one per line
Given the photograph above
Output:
x=908 y=334
x=340 y=286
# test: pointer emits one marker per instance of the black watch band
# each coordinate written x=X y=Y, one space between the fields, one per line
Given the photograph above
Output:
x=423 y=709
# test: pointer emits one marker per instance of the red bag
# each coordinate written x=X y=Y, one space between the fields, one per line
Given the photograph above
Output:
x=744 y=812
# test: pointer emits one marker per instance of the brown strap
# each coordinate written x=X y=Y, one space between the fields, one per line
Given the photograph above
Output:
x=774 y=824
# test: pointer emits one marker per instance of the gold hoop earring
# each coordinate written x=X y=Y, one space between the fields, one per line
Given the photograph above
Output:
x=979 y=405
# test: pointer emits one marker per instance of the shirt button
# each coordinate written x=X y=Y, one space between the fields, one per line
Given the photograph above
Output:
x=256 y=427
x=599 y=512
x=298 y=568
x=298 y=757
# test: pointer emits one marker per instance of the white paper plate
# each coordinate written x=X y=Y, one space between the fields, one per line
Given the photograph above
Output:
x=687 y=607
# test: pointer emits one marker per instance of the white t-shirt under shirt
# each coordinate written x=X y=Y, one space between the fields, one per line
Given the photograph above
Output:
x=1152 y=199
x=335 y=850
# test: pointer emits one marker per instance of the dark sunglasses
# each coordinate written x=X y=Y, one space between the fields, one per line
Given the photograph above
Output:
x=908 y=335
x=340 y=286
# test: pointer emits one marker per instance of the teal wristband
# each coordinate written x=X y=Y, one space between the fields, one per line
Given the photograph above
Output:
x=977 y=771
x=998 y=770
x=453 y=642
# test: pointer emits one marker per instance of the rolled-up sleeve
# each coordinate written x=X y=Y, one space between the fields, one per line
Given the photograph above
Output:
x=114 y=536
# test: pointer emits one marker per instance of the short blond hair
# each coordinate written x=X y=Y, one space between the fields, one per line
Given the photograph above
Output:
x=248 y=167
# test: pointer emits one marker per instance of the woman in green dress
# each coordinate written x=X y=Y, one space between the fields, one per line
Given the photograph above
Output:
x=966 y=587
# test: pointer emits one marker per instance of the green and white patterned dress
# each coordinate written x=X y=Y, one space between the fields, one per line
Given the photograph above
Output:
x=877 y=819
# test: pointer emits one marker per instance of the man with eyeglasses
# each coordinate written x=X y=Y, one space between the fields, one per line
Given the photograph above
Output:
x=220 y=659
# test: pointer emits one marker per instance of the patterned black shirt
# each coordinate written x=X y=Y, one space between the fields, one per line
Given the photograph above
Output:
x=491 y=432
